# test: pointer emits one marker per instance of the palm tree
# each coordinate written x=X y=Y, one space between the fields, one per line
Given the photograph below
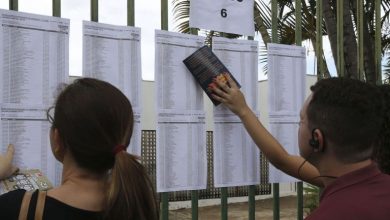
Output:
x=286 y=28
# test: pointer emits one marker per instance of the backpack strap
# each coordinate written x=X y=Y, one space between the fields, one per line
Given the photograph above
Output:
x=24 y=206
x=40 y=205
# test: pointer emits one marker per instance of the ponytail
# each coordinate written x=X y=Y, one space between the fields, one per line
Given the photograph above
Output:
x=130 y=192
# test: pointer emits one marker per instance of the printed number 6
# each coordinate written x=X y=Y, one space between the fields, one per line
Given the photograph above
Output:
x=223 y=13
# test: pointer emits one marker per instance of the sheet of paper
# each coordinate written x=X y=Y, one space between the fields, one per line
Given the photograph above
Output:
x=286 y=78
x=236 y=157
x=181 y=133
x=34 y=62
x=113 y=54
x=233 y=16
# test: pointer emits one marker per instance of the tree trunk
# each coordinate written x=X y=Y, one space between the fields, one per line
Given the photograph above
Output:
x=331 y=27
x=350 y=45
x=369 y=48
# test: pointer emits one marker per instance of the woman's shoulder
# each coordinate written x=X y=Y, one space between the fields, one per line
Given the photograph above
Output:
x=55 y=209
x=14 y=195
x=10 y=203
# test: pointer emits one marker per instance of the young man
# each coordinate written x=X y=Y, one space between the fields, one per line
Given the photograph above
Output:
x=339 y=124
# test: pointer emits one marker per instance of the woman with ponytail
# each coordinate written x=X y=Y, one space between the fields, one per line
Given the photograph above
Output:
x=91 y=128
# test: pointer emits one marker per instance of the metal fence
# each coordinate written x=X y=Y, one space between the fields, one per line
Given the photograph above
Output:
x=149 y=137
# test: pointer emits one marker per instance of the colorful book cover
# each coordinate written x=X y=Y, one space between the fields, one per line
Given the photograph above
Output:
x=28 y=179
x=206 y=67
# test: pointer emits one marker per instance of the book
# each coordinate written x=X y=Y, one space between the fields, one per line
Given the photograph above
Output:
x=27 y=179
x=205 y=66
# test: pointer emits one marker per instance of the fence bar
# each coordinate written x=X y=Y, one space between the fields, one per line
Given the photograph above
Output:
x=164 y=26
x=130 y=13
x=340 y=38
x=274 y=33
x=164 y=206
x=378 y=43
x=298 y=22
x=194 y=204
x=251 y=190
x=300 y=200
x=13 y=5
x=252 y=202
x=276 y=200
x=164 y=14
x=94 y=10
x=224 y=203
x=56 y=8
x=319 y=49
x=298 y=42
x=275 y=186
x=360 y=50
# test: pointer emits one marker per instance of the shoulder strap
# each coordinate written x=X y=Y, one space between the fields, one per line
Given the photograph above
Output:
x=24 y=206
x=40 y=205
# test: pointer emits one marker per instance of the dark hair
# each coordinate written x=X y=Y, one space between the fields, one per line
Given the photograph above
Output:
x=382 y=149
x=92 y=118
x=348 y=112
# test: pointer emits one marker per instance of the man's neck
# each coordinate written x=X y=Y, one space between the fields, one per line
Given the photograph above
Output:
x=338 y=169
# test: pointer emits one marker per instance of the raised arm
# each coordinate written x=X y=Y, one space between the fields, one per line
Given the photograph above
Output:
x=232 y=97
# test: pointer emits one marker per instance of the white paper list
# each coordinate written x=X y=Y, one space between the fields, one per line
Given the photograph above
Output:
x=113 y=54
x=236 y=157
x=181 y=133
x=286 y=77
x=34 y=62
x=28 y=131
x=34 y=57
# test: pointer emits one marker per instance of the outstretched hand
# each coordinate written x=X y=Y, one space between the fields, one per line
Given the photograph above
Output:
x=6 y=167
x=230 y=95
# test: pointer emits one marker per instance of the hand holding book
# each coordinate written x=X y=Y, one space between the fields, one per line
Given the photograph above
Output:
x=207 y=68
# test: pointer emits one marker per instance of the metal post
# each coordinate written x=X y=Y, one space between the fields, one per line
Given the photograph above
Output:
x=360 y=50
x=276 y=201
x=252 y=202
x=275 y=186
x=164 y=26
x=164 y=206
x=298 y=42
x=194 y=204
x=340 y=38
x=57 y=8
x=95 y=10
x=378 y=43
x=319 y=49
x=224 y=203
x=298 y=26
x=130 y=13
x=13 y=5
x=274 y=32
x=164 y=14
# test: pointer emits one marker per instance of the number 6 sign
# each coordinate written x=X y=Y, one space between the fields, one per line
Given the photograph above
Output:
x=230 y=16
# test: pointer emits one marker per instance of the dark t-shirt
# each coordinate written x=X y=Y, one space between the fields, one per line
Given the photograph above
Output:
x=363 y=194
x=10 y=206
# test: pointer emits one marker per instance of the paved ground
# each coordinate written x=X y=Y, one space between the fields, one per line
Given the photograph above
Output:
x=239 y=211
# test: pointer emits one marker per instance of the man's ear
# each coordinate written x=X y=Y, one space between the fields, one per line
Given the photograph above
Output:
x=318 y=135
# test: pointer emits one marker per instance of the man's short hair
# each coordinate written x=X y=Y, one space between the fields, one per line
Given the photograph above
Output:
x=348 y=112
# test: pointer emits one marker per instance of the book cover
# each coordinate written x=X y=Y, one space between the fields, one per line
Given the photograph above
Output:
x=205 y=67
x=27 y=179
